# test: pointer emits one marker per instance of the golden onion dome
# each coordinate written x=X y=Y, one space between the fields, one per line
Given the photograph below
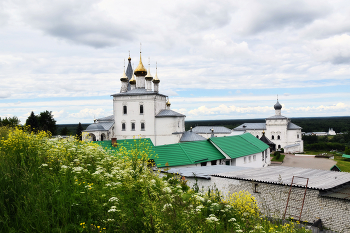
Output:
x=168 y=103
x=149 y=76
x=124 y=78
x=156 y=79
x=132 y=80
x=140 y=69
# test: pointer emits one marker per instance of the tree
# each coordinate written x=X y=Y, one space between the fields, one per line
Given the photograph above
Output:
x=47 y=122
x=10 y=121
x=65 y=131
x=79 y=131
x=33 y=122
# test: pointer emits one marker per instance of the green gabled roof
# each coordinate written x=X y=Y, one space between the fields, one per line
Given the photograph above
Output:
x=255 y=141
x=186 y=153
x=129 y=144
x=346 y=156
x=239 y=145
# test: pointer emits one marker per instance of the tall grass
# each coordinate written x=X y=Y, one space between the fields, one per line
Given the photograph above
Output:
x=51 y=185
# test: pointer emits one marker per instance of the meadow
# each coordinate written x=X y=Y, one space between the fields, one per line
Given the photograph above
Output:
x=56 y=185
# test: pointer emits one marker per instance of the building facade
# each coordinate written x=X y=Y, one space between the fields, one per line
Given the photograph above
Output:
x=279 y=130
x=139 y=110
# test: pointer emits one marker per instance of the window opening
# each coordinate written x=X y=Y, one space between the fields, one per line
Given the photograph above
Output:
x=123 y=126
x=132 y=126
x=125 y=109
x=272 y=137
x=278 y=137
x=141 y=109
x=213 y=162
x=203 y=164
x=143 y=126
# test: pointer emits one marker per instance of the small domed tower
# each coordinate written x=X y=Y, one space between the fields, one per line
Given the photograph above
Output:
x=278 y=108
x=149 y=79
x=168 y=104
x=156 y=81
x=124 y=79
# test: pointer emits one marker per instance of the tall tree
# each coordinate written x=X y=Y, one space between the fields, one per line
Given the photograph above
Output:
x=79 y=131
x=33 y=122
x=47 y=122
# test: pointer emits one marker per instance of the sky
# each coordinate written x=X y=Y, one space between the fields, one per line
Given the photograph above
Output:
x=216 y=59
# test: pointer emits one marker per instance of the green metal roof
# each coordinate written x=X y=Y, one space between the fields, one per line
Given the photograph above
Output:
x=239 y=145
x=186 y=153
x=129 y=144
x=346 y=156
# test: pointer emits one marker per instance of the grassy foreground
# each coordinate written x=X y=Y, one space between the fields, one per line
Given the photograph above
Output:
x=50 y=185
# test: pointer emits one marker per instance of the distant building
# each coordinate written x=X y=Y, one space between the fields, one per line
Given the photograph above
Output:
x=330 y=132
x=278 y=129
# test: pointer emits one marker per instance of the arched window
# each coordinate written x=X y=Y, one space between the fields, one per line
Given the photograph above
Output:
x=125 y=109
x=278 y=137
x=297 y=135
x=273 y=137
x=279 y=146
x=132 y=126
x=142 y=126
x=123 y=126
x=257 y=136
x=141 y=109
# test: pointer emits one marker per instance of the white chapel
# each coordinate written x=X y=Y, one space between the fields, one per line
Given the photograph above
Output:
x=279 y=130
x=139 y=110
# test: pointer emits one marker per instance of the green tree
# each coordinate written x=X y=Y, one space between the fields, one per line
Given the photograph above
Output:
x=47 y=122
x=33 y=122
x=10 y=121
x=79 y=131
x=65 y=131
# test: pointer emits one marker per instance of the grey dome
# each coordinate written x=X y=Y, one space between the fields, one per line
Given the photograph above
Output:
x=277 y=106
x=95 y=127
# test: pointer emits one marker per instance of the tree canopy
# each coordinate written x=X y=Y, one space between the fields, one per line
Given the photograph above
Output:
x=44 y=121
x=9 y=121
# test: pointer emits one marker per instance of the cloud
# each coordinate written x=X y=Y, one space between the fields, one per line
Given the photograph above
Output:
x=271 y=15
x=339 y=107
x=335 y=49
x=224 y=109
x=87 y=113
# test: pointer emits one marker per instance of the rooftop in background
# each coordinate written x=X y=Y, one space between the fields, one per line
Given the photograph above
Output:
x=318 y=179
x=169 y=113
x=207 y=129
x=262 y=126
x=189 y=136
x=205 y=171
x=186 y=153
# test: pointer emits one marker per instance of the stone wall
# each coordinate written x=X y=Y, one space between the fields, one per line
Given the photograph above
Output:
x=272 y=199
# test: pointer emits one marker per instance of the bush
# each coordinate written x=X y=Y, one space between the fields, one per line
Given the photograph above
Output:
x=50 y=185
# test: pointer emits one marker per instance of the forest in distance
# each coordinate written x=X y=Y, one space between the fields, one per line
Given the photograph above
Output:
x=309 y=124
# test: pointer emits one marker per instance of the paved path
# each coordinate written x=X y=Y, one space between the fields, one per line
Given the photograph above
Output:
x=308 y=162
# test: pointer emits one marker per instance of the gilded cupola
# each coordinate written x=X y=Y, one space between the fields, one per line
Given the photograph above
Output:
x=140 y=69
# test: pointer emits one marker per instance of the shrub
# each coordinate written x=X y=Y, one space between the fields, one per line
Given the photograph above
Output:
x=51 y=185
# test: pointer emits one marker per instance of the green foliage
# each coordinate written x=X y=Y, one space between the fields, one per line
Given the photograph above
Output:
x=278 y=157
x=52 y=185
x=78 y=131
x=324 y=146
x=33 y=122
x=65 y=131
x=44 y=121
x=10 y=121
x=347 y=151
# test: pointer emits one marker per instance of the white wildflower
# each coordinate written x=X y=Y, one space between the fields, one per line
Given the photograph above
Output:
x=113 y=199
x=212 y=218
x=167 y=190
x=232 y=220
x=167 y=205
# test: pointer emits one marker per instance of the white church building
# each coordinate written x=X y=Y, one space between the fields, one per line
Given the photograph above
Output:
x=279 y=130
x=139 y=110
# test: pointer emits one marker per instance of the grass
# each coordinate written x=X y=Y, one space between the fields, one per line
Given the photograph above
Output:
x=56 y=185
x=280 y=159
